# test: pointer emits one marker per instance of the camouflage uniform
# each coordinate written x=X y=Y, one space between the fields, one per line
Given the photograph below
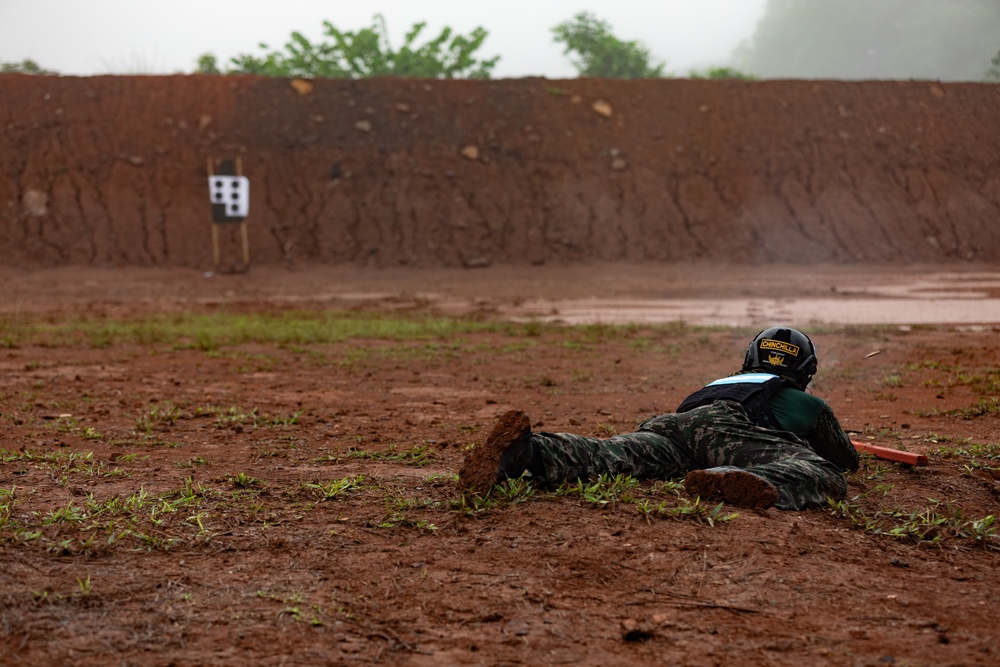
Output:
x=805 y=469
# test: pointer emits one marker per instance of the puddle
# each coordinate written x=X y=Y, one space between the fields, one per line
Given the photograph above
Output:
x=755 y=312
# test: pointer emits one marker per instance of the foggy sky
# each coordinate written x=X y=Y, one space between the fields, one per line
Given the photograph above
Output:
x=132 y=37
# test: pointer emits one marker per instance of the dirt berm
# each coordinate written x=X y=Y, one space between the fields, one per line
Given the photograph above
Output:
x=111 y=171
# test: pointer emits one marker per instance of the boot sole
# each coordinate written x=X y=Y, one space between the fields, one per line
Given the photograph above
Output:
x=481 y=470
x=735 y=487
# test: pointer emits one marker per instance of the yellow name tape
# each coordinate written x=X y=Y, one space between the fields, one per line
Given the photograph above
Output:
x=780 y=346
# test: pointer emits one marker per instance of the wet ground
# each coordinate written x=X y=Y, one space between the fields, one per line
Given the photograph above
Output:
x=964 y=295
x=191 y=501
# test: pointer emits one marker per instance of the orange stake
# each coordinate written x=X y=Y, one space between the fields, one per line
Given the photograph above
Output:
x=890 y=454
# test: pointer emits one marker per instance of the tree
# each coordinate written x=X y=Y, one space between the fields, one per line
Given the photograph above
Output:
x=26 y=66
x=208 y=64
x=721 y=73
x=993 y=73
x=601 y=54
x=368 y=53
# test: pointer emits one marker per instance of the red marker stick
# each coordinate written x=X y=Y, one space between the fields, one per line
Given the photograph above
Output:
x=890 y=454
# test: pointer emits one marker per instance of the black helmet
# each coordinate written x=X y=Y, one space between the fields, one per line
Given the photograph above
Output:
x=783 y=351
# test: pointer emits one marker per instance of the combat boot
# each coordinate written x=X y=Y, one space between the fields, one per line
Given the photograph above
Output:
x=733 y=485
x=508 y=452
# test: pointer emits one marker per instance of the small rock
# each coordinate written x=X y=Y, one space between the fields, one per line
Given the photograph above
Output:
x=619 y=164
x=363 y=125
x=400 y=106
x=301 y=86
x=137 y=160
x=470 y=152
x=36 y=203
x=602 y=108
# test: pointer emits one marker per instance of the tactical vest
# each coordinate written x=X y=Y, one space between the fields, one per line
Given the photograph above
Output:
x=752 y=391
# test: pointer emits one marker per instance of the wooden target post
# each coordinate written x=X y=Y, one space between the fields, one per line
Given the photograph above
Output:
x=229 y=193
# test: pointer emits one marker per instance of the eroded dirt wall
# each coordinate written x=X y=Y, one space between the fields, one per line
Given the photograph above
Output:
x=111 y=171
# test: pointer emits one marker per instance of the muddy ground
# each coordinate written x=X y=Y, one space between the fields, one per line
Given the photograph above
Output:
x=206 y=475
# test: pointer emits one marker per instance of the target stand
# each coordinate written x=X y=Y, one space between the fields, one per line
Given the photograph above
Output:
x=229 y=193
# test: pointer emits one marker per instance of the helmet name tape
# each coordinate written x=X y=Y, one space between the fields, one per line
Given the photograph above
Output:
x=780 y=346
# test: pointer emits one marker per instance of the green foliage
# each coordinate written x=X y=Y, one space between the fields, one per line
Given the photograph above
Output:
x=515 y=490
x=721 y=73
x=969 y=449
x=982 y=408
x=243 y=480
x=208 y=64
x=891 y=380
x=602 y=490
x=993 y=73
x=600 y=54
x=418 y=455
x=404 y=520
x=369 y=53
x=26 y=66
x=334 y=488
x=684 y=508
x=932 y=524
x=505 y=494
x=211 y=331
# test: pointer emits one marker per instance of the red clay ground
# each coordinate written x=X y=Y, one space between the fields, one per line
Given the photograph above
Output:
x=181 y=501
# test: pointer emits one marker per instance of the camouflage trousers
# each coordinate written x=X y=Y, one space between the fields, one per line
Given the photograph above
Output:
x=671 y=445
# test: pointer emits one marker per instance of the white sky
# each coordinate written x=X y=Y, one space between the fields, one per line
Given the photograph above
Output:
x=86 y=37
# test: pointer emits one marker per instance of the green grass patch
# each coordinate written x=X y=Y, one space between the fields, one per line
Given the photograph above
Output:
x=211 y=331
x=686 y=509
x=333 y=488
x=984 y=407
x=603 y=490
x=969 y=449
x=418 y=455
x=932 y=524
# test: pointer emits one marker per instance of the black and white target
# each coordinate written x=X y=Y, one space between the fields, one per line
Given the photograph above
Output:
x=230 y=197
